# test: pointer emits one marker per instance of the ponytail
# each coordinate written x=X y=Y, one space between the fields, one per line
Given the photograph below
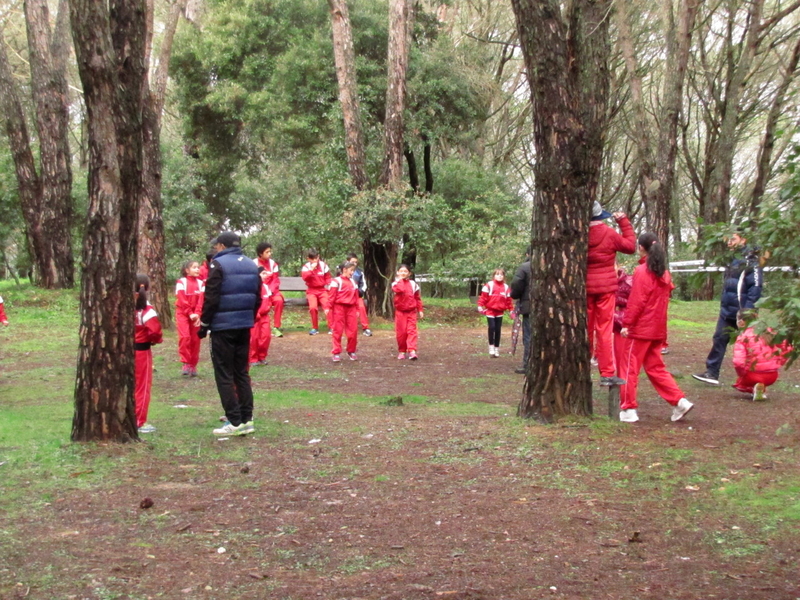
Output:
x=656 y=255
x=142 y=287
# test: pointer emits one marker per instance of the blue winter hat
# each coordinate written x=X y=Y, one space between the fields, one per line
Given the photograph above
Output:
x=598 y=214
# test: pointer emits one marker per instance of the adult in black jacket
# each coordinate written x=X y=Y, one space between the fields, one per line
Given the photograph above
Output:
x=232 y=299
x=521 y=292
x=741 y=289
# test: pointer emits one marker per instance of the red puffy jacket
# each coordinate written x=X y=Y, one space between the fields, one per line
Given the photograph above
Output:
x=753 y=353
x=646 y=313
x=604 y=243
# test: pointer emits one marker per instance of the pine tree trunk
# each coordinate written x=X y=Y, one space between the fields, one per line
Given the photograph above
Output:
x=51 y=96
x=109 y=45
x=567 y=63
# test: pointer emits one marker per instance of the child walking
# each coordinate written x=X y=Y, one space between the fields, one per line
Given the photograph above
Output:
x=189 y=290
x=645 y=328
x=317 y=276
x=361 y=284
x=147 y=331
x=494 y=300
x=407 y=303
x=757 y=360
x=261 y=334
x=3 y=318
x=344 y=300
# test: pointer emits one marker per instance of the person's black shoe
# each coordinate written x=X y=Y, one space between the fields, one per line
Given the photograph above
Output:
x=614 y=380
x=520 y=371
x=707 y=377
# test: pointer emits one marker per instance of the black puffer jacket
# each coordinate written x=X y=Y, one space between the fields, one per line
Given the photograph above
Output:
x=741 y=288
x=521 y=287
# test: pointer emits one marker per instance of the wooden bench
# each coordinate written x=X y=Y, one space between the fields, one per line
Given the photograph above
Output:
x=294 y=284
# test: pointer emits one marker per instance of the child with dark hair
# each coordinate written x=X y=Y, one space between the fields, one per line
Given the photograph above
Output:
x=757 y=359
x=204 y=267
x=147 y=331
x=317 y=277
x=3 y=318
x=645 y=328
x=189 y=290
x=361 y=284
x=495 y=299
x=407 y=304
x=261 y=334
x=264 y=259
x=344 y=300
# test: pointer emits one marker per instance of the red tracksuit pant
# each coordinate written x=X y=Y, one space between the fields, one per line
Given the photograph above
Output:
x=316 y=299
x=362 y=314
x=143 y=369
x=345 y=321
x=188 y=342
x=277 y=308
x=747 y=379
x=645 y=353
x=405 y=328
x=600 y=318
x=260 y=338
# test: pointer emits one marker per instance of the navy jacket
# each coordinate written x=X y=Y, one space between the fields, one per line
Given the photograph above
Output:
x=233 y=291
x=741 y=288
x=358 y=279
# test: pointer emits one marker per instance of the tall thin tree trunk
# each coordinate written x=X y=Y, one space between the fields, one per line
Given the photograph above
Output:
x=567 y=63
x=109 y=44
x=152 y=242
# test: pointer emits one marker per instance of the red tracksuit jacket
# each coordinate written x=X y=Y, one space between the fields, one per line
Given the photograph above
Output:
x=3 y=318
x=189 y=296
x=495 y=299
x=646 y=313
x=273 y=271
x=604 y=243
x=148 y=327
x=343 y=291
x=317 y=279
x=406 y=295
x=752 y=353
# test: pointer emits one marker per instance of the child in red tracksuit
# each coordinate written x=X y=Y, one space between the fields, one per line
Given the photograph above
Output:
x=494 y=300
x=261 y=334
x=189 y=291
x=264 y=259
x=407 y=303
x=317 y=277
x=344 y=300
x=757 y=361
x=3 y=318
x=645 y=328
x=147 y=331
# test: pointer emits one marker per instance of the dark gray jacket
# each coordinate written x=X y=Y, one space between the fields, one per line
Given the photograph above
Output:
x=521 y=287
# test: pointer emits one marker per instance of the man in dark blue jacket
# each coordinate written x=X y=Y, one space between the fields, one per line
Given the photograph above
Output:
x=741 y=289
x=521 y=292
x=232 y=298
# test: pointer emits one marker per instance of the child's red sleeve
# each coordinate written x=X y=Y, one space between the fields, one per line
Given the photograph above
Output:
x=3 y=318
x=154 y=332
x=418 y=298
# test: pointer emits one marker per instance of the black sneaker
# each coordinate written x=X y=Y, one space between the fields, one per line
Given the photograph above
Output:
x=613 y=380
x=707 y=377
x=519 y=371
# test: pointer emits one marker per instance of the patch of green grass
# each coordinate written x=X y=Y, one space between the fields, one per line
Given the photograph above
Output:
x=765 y=502
x=359 y=564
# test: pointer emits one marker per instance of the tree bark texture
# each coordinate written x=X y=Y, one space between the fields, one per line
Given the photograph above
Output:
x=109 y=44
x=152 y=241
x=567 y=62
x=768 y=141
x=397 y=59
x=51 y=98
x=657 y=164
x=344 y=57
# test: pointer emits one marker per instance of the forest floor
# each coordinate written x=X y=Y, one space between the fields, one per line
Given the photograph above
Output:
x=340 y=494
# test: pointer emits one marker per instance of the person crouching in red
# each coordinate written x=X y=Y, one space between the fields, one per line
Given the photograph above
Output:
x=147 y=331
x=757 y=360
x=407 y=303
x=645 y=328
x=344 y=300
x=189 y=290
x=261 y=334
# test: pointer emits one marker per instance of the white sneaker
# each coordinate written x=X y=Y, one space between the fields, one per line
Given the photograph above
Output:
x=497 y=351
x=146 y=428
x=491 y=350
x=683 y=407
x=229 y=429
x=628 y=416
x=759 y=393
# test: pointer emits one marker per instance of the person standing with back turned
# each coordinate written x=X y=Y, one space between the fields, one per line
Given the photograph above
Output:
x=521 y=292
x=232 y=299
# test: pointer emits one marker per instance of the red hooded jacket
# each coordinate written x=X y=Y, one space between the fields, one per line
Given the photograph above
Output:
x=646 y=313
x=604 y=243
x=753 y=353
